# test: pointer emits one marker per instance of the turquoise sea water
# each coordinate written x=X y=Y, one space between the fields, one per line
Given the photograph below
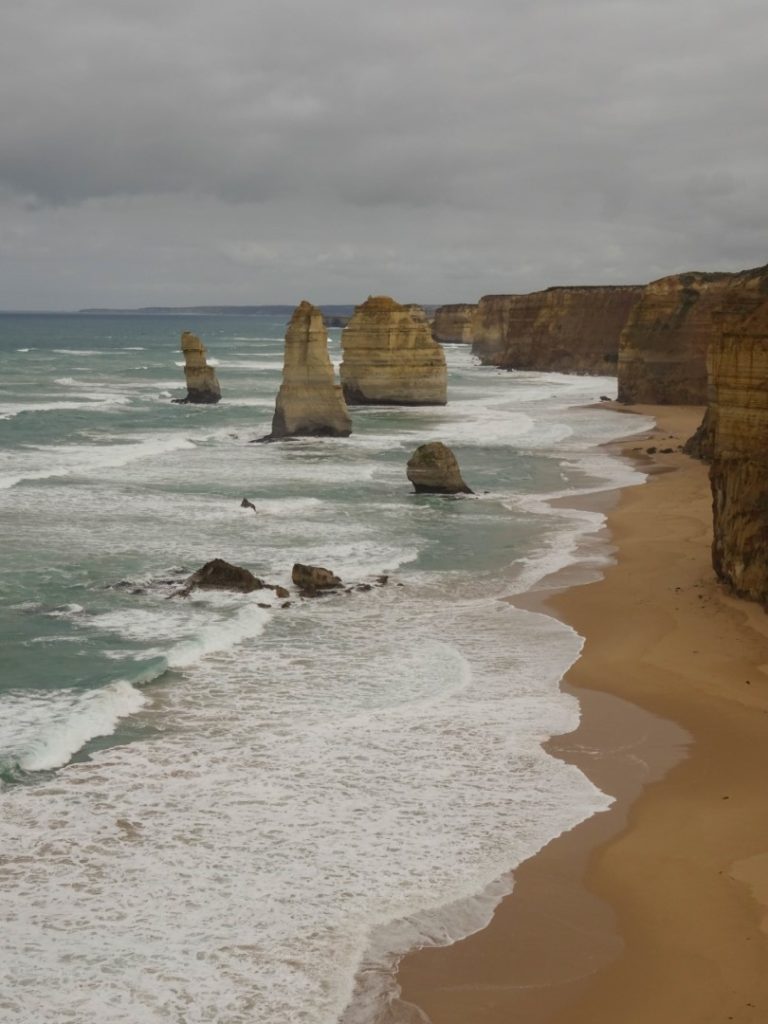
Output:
x=215 y=811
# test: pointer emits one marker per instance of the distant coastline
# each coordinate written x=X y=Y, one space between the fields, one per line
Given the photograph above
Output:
x=275 y=310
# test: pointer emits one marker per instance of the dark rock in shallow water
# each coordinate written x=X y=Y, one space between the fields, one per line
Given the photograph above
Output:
x=220 y=575
x=433 y=469
x=313 y=579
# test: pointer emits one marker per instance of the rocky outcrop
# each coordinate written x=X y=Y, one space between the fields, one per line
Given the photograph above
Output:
x=454 y=323
x=433 y=469
x=569 y=330
x=700 y=445
x=202 y=382
x=738 y=368
x=309 y=403
x=314 y=579
x=663 y=349
x=390 y=357
x=221 y=575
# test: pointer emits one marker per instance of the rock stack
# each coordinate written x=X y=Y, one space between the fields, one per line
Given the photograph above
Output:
x=434 y=469
x=390 y=357
x=202 y=383
x=309 y=403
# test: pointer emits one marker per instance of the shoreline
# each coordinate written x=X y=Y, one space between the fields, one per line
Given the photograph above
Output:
x=653 y=909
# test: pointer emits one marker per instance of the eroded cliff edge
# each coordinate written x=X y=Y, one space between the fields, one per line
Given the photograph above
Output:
x=390 y=357
x=663 y=348
x=455 y=323
x=309 y=402
x=738 y=411
x=567 y=329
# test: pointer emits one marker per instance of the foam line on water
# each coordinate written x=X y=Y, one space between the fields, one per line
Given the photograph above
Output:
x=69 y=460
x=44 y=729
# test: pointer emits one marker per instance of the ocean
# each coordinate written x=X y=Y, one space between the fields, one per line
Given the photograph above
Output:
x=213 y=811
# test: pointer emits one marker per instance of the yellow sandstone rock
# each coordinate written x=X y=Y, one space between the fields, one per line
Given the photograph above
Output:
x=738 y=367
x=309 y=403
x=202 y=383
x=390 y=357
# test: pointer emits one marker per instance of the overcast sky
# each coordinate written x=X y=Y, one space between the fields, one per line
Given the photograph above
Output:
x=185 y=152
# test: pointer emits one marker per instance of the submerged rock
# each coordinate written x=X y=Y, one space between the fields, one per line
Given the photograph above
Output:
x=433 y=469
x=202 y=383
x=390 y=357
x=311 y=579
x=309 y=403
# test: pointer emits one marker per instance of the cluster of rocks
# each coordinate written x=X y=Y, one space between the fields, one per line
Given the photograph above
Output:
x=389 y=358
x=310 y=581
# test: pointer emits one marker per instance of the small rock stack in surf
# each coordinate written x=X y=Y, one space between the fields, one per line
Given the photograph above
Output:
x=202 y=384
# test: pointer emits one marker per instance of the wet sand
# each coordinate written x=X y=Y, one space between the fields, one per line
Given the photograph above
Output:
x=656 y=910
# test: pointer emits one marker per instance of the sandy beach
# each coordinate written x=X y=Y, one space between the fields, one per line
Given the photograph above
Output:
x=656 y=910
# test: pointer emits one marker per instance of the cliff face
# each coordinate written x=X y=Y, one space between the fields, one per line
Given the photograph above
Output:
x=309 y=403
x=738 y=366
x=663 y=350
x=454 y=323
x=202 y=383
x=570 y=330
x=390 y=357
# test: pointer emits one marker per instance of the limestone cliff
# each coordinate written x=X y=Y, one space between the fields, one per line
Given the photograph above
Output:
x=202 y=383
x=738 y=367
x=663 y=349
x=390 y=357
x=454 y=323
x=309 y=403
x=570 y=330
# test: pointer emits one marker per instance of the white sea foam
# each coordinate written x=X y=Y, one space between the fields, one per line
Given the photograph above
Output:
x=102 y=403
x=81 y=352
x=47 y=461
x=42 y=729
x=326 y=785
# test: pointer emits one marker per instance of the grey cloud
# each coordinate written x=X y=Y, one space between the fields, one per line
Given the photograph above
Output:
x=506 y=144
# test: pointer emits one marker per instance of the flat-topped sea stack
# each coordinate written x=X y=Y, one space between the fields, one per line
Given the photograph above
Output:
x=663 y=348
x=309 y=402
x=738 y=367
x=453 y=323
x=202 y=382
x=568 y=330
x=391 y=358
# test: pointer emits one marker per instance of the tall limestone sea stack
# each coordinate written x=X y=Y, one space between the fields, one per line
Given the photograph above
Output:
x=566 y=329
x=309 y=402
x=390 y=357
x=202 y=382
x=738 y=412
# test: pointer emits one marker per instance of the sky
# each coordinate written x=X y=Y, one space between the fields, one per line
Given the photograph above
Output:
x=180 y=152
